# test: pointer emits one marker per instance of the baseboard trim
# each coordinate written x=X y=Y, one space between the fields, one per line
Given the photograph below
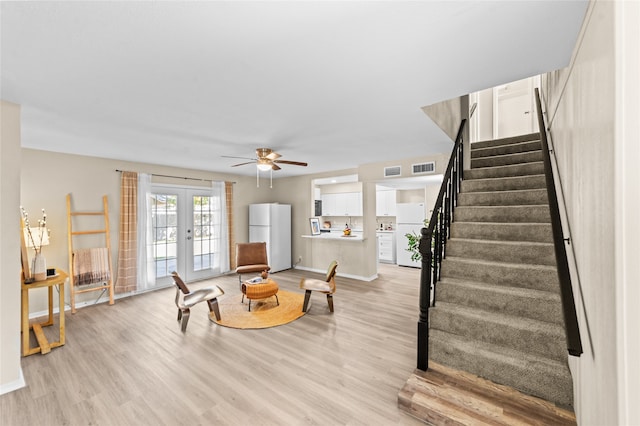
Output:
x=324 y=271
x=14 y=385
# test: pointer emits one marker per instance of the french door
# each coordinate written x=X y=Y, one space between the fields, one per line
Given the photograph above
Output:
x=185 y=224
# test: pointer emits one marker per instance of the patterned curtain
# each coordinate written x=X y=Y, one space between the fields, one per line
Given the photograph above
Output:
x=228 y=186
x=127 y=245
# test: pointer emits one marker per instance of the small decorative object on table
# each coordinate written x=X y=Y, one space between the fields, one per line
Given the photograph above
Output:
x=264 y=274
x=36 y=237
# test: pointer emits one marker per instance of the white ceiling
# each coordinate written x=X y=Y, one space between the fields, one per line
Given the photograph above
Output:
x=335 y=84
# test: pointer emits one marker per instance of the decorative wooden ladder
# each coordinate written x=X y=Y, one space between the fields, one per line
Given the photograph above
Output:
x=108 y=285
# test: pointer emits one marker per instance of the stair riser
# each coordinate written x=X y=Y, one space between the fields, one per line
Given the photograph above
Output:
x=507 y=141
x=528 y=378
x=538 y=232
x=504 y=184
x=504 y=198
x=505 y=160
x=505 y=149
x=505 y=171
x=544 y=342
x=493 y=300
x=533 y=254
x=538 y=278
x=509 y=214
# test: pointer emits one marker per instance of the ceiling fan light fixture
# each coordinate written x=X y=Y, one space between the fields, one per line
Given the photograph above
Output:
x=263 y=165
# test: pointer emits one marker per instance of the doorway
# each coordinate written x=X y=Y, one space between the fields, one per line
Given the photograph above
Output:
x=513 y=108
x=186 y=233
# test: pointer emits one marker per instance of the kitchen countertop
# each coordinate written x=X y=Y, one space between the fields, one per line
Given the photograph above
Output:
x=355 y=236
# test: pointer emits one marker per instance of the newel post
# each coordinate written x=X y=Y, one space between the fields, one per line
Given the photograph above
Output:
x=425 y=300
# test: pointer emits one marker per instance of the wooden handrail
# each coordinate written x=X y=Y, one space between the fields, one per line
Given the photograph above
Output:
x=574 y=345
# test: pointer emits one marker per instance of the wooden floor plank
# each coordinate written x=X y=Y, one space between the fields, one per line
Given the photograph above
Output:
x=446 y=394
x=129 y=364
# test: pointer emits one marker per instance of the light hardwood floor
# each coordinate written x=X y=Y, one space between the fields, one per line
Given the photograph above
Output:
x=129 y=364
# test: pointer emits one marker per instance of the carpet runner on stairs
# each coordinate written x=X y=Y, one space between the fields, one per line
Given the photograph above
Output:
x=498 y=311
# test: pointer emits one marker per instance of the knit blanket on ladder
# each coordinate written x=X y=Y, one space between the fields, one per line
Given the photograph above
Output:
x=91 y=266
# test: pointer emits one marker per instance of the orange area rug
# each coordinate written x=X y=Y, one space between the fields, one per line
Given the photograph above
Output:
x=264 y=313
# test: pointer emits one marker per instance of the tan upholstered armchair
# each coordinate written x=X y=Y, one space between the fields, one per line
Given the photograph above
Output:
x=251 y=258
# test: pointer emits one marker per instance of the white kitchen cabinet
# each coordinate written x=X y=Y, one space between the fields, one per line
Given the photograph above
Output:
x=386 y=247
x=353 y=204
x=329 y=204
x=342 y=204
x=386 y=203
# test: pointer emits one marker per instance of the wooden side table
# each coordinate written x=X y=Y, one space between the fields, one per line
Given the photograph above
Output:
x=44 y=346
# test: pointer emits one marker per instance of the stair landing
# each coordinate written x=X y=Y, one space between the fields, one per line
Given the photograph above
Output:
x=443 y=395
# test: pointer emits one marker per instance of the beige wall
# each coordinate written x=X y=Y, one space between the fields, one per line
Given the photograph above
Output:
x=10 y=371
x=88 y=178
x=47 y=177
x=585 y=104
x=448 y=115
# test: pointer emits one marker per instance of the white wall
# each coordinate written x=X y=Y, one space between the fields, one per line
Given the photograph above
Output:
x=10 y=371
x=586 y=104
x=627 y=158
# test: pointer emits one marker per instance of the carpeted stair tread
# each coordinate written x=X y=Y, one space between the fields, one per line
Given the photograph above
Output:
x=512 y=148
x=538 y=213
x=534 y=375
x=507 y=159
x=536 y=232
x=539 y=277
x=504 y=183
x=524 y=334
x=529 y=303
x=498 y=312
x=534 y=253
x=524 y=169
x=506 y=141
x=517 y=197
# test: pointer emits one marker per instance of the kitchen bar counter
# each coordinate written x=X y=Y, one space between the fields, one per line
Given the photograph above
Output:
x=336 y=236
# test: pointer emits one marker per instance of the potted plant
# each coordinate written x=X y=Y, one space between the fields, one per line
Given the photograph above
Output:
x=413 y=245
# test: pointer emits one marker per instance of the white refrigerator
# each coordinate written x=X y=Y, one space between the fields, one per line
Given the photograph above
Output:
x=409 y=219
x=271 y=223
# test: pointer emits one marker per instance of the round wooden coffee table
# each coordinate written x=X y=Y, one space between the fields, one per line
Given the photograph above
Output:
x=260 y=290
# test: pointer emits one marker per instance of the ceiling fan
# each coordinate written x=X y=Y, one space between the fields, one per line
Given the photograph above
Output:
x=266 y=159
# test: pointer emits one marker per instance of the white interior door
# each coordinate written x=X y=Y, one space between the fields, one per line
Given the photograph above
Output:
x=184 y=225
x=513 y=109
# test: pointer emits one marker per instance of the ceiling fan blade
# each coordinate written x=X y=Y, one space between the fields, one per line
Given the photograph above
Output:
x=294 y=163
x=242 y=164
x=232 y=156
x=275 y=167
x=273 y=156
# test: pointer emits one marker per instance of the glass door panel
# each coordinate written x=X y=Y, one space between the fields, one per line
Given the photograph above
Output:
x=203 y=240
x=185 y=236
x=164 y=227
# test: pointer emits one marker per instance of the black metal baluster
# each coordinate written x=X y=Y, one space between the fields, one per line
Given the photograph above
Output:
x=433 y=243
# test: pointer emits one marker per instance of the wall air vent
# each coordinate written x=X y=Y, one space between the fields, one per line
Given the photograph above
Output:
x=392 y=171
x=421 y=168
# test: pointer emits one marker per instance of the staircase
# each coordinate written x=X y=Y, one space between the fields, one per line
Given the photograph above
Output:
x=498 y=313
